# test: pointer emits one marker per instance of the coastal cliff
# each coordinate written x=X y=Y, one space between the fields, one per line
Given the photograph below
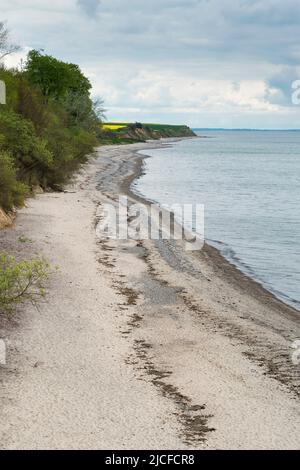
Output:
x=131 y=133
x=138 y=132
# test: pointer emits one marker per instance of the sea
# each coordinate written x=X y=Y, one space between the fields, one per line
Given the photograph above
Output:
x=249 y=184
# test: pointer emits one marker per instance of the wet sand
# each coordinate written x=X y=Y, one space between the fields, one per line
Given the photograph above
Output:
x=141 y=344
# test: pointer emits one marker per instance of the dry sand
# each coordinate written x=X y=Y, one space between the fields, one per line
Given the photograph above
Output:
x=140 y=344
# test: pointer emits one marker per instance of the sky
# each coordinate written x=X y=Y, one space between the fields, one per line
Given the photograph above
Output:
x=205 y=63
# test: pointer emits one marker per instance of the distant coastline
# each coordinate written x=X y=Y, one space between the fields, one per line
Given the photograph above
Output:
x=124 y=132
x=198 y=129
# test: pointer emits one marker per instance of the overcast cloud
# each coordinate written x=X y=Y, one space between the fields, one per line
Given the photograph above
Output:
x=208 y=63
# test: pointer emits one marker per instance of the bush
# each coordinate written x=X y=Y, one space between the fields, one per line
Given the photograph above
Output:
x=47 y=128
x=21 y=282
x=12 y=192
x=18 y=136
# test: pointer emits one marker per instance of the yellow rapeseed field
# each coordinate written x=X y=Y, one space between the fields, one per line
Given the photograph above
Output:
x=113 y=127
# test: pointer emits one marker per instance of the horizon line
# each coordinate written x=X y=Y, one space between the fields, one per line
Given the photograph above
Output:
x=243 y=129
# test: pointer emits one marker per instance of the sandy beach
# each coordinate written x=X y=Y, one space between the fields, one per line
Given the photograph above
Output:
x=140 y=345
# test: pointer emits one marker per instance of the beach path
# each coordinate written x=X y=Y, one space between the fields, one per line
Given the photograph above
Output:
x=112 y=358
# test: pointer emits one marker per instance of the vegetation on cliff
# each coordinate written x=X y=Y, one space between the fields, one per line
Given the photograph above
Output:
x=118 y=132
x=48 y=126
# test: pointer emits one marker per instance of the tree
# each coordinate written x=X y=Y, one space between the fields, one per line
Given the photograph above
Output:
x=66 y=84
x=99 y=110
x=6 y=47
x=55 y=78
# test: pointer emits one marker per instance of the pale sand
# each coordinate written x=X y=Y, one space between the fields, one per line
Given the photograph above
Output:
x=140 y=345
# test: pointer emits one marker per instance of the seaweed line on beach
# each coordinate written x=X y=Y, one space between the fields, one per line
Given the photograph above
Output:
x=277 y=365
x=193 y=420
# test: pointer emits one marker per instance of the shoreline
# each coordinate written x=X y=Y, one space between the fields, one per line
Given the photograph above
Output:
x=140 y=345
x=232 y=270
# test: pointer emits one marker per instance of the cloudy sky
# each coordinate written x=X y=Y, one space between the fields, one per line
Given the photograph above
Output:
x=207 y=63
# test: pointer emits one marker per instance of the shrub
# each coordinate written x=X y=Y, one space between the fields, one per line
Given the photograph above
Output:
x=31 y=106
x=18 y=136
x=12 y=192
x=23 y=281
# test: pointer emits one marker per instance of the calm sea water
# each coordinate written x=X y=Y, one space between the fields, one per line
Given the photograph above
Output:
x=249 y=182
